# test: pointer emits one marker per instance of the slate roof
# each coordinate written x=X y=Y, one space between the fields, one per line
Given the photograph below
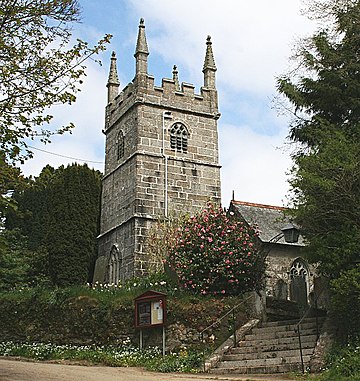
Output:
x=269 y=219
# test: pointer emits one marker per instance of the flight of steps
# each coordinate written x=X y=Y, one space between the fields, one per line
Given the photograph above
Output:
x=271 y=348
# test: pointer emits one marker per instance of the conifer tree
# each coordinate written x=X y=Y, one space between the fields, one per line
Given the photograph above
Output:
x=58 y=213
x=324 y=95
x=73 y=224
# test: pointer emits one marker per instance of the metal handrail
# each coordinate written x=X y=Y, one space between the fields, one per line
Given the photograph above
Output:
x=224 y=316
x=219 y=320
x=297 y=328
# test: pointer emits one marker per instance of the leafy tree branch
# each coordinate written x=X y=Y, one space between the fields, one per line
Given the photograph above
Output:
x=39 y=68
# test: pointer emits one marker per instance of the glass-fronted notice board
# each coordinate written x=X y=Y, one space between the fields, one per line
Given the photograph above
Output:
x=150 y=309
x=144 y=311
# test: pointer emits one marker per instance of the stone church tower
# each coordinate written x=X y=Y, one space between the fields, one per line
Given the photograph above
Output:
x=161 y=157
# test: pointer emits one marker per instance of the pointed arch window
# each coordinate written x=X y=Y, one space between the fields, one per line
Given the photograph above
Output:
x=179 y=136
x=299 y=268
x=299 y=283
x=120 y=145
x=113 y=266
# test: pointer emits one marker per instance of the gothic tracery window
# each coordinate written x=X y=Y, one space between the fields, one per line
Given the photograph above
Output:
x=299 y=283
x=299 y=268
x=179 y=137
x=113 y=266
x=120 y=145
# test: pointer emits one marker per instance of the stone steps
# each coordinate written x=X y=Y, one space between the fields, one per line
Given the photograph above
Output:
x=286 y=326
x=285 y=368
x=275 y=345
x=292 y=322
x=264 y=354
x=278 y=341
x=271 y=348
x=278 y=334
x=262 y=362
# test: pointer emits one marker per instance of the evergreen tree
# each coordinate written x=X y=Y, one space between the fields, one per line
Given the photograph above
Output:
x=59 y=214
x=14 y=259
x=32 y=212
x=325 y=96
x=73 y=224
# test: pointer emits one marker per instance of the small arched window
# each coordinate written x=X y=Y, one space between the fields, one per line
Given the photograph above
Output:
x=179 y=137
x=113 y=266
x=120 y=145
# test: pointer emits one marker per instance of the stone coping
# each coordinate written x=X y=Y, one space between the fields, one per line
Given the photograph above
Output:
x=218 y=354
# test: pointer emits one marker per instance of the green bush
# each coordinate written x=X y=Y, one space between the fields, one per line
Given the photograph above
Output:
x=343 y=364
x=183 y=361
x=346 y=302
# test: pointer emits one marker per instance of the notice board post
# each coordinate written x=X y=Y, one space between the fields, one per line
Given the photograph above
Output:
x=150 y=312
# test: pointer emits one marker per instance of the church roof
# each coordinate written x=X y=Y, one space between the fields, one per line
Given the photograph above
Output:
x=268 y=219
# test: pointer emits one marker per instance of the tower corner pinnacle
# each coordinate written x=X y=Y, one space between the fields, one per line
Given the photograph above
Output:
x=141 y=51
x=113 y=80
x=209 y=67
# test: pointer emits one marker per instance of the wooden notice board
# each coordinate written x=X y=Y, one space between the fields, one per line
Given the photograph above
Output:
x=150 y=309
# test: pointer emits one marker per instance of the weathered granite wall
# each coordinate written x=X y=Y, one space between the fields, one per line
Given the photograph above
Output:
x=146 y=175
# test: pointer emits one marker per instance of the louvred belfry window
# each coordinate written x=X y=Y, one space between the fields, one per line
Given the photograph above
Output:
x=120 y=145
x=179 y=137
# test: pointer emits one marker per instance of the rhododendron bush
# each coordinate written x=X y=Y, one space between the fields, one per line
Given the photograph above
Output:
x=215 y=253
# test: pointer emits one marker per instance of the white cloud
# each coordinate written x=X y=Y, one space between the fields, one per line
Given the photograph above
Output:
x=252 y=42
x=86 y=141
x=253 y=166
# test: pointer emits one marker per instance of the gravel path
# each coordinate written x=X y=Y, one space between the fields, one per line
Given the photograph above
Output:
x=12 y=370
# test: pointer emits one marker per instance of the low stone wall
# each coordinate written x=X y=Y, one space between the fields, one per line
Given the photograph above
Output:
x=324 y=343
x=59 y=318
x=225 y=347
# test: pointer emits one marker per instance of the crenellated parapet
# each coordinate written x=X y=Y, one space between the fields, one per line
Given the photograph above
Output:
x=170 y=95
x=166 y=96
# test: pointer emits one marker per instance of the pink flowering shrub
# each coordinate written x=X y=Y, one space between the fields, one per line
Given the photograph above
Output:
x=216 y=254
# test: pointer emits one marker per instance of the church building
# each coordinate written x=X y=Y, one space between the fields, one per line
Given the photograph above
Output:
x=161 y=157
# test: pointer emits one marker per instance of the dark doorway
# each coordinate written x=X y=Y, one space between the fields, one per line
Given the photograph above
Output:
x=298 y=284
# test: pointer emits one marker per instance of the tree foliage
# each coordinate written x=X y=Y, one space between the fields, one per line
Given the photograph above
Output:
x=14 y=260
x=324 y=91
x=324 y=96
x=39 y=68
x=327 y=198
x=10 y=179
x=214 y=253
x=59 y=214
x=346 y=301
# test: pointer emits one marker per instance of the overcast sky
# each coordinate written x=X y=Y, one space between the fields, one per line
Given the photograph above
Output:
x=252 y=43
